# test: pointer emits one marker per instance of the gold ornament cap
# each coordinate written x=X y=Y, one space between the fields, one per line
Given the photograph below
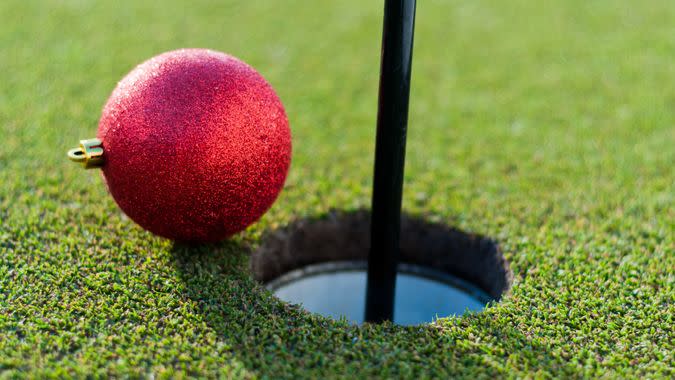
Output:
x=89 y=153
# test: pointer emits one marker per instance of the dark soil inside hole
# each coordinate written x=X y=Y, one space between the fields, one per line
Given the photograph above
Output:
x=341 y=236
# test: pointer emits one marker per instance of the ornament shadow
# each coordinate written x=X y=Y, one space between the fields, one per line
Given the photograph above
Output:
x=268 y=336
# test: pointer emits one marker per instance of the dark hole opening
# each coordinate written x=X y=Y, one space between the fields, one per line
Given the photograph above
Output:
x=341 y=240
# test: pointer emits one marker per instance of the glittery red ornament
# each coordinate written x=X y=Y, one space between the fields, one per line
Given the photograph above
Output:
x=196 y=145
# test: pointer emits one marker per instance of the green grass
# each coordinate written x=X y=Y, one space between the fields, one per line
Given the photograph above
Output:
x=549 y=126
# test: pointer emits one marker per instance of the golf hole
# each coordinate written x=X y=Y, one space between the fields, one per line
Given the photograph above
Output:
x=321 y=264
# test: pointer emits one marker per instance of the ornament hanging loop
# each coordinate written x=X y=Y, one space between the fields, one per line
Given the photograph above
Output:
x=89 y=153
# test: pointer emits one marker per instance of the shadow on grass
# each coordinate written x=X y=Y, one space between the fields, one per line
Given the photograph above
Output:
x=278 y=340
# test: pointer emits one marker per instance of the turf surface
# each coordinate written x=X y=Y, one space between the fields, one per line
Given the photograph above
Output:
x=547 y=125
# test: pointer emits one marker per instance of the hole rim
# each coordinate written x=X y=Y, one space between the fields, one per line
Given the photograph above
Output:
x=479 y=263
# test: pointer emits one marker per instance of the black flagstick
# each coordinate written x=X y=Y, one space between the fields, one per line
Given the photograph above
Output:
x=392 y=120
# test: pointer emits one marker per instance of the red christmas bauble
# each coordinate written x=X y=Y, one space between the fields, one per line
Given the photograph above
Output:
x=197 y=145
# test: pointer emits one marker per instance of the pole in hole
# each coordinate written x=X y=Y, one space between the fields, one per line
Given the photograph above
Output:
x=392 y=120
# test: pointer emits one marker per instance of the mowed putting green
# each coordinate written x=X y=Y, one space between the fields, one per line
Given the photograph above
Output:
x=546 y=126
